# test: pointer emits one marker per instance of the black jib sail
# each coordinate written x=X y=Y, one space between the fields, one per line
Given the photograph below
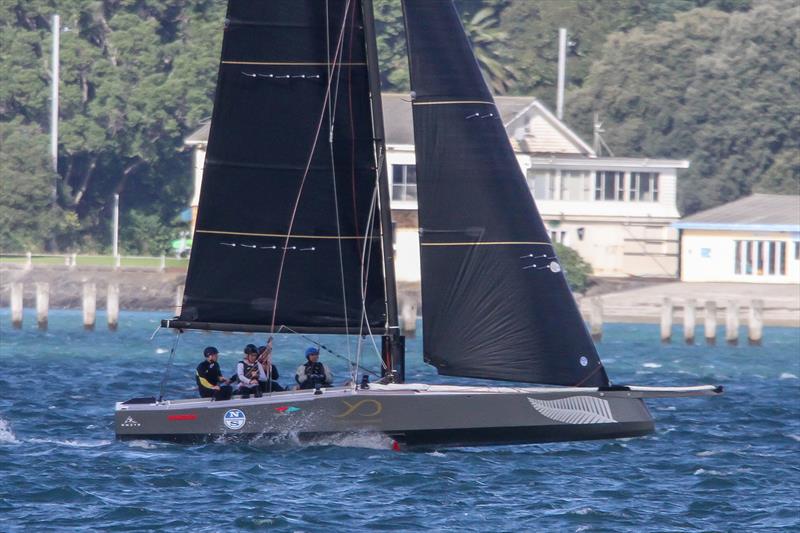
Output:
x=288 y=230
x=496 y=304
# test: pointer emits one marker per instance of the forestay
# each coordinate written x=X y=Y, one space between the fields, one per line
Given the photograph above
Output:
x=496 y=303
x=288 y=204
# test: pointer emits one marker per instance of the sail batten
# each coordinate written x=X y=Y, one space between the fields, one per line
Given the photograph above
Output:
x=286 y=209
x=496 y=303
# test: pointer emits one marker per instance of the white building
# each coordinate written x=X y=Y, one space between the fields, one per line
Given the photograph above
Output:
x=754 y=240
x=617 y=212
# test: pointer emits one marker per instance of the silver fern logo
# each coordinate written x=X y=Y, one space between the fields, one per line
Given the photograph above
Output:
x=575 y=410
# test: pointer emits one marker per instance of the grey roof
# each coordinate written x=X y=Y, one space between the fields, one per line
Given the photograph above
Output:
x=398 y=124
x=755 y=210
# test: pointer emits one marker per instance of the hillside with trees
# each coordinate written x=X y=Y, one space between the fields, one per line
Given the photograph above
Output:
x=714 y=81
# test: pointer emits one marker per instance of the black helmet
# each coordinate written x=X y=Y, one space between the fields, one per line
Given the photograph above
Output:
x=210 y=350
x=250 y=348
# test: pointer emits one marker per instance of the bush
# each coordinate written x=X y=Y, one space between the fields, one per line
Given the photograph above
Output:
x=144 y=234
x=575 y=268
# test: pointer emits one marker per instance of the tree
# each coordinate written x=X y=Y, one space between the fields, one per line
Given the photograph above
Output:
x=26 y=184
x=720 y=89
x=576 y=269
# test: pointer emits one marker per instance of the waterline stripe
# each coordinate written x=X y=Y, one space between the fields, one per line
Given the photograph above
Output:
x=283 y=235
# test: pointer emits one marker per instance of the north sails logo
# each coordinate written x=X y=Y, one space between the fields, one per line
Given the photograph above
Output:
x=130 y=423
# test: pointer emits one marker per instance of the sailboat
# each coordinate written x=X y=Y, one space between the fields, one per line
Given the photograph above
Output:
x=293 y=235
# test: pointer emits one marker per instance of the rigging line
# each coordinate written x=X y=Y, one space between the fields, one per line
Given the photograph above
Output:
x=302 y=184
x=331 y=115
x=322 y=346
x=169 y=365
x=363 y=279
x=490 y=243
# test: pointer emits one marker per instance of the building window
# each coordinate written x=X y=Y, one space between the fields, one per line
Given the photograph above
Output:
x=643 y=187
x=543 y=183
x=558 y=236
x=760 y=258
x=404 y=182
x=575 y=185
x=609 y=185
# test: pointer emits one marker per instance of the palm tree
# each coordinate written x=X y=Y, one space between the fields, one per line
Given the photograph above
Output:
x=484 y=32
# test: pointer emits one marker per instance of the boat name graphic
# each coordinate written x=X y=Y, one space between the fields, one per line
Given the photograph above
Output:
x=234 y=419
x=130 y=422
x=364 y=408
x=575 y=410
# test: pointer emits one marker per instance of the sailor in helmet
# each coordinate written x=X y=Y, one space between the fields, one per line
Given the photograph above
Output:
x=313 y=373
x=250 y=373
x=210 y=381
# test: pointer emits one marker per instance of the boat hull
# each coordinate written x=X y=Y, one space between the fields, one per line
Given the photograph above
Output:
x=412 y=416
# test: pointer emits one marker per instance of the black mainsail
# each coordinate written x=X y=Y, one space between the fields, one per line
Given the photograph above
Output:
x=495 y=301
x=288 y=231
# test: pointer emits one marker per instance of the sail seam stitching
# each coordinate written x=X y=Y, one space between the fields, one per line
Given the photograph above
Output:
x=496 y=243
x=451 y=102
x=284 y=235
x=293 y=64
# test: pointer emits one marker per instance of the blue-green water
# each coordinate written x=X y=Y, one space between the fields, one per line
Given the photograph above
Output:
x=714 y=464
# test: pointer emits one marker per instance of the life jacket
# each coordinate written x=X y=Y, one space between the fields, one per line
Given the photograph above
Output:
x=250 y=371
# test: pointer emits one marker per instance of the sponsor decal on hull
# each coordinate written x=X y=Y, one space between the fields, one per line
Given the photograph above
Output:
x=234 y=419
x=365 y=408
x=575 y=410
x=130 y=422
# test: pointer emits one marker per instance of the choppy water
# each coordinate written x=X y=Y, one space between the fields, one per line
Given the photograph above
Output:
x=721 y=464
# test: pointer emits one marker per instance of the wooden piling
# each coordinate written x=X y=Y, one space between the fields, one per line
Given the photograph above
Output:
x=755 y=323
x=117 y=261
x=73 y=261
x=112 y=306
x=711 y=323
x=89 y=305
x=732 y=323
x=689 y=320
x=16 y=305
x=28 y=261
x=596 y=318
x=162 y=264
x=179 y=299
x=666 y=321
x=42 y=305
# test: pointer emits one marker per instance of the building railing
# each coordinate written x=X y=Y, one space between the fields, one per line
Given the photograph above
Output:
x=71 y=260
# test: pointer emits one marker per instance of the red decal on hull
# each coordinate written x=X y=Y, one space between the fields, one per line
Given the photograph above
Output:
x=182 y=417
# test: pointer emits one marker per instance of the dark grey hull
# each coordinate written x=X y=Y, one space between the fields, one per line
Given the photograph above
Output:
x=409 y=415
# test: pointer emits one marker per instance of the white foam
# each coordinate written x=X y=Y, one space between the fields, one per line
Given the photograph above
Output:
x=795 y=437
x=584 y=511
x=142 y=444
x=161 y=350
x=651 y=365
x=436 y=454
x=707 y=453
x=6 y=435
x=787 y=375
x=73 y=443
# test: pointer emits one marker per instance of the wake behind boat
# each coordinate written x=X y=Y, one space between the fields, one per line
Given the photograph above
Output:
x=294 y=234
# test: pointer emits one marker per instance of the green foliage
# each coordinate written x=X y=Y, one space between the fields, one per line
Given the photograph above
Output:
x=136 y=77
x=576 y=269
x=145 y=234
x=27 y=180
x=720 y=89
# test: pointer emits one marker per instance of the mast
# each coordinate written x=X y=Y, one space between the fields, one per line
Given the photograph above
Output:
x=393 y=346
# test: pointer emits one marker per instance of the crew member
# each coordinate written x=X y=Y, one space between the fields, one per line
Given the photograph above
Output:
x=265 y=358
x=250 y=373
x=313 y=373
x=210 y=382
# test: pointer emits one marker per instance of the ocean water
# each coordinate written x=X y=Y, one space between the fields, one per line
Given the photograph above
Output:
x=730 y=463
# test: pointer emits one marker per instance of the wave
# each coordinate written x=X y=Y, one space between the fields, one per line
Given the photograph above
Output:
x=651 y=365
x=73 y=443
x=6 y=434
x=368 y=440
x=787 y=375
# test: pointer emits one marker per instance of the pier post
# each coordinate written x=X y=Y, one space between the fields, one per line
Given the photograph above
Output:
x=162 y=264
x=117 y=261
x=16 y=305
x=179 y=299
x=28 y=261
x=711 y=323
x=732 y=323
x=73 y=260
x=112 y=306
x=596 y=318
x=689 y=320
x=89 y=305
x=666 y=321
x=42 y=305
x=755 y=323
